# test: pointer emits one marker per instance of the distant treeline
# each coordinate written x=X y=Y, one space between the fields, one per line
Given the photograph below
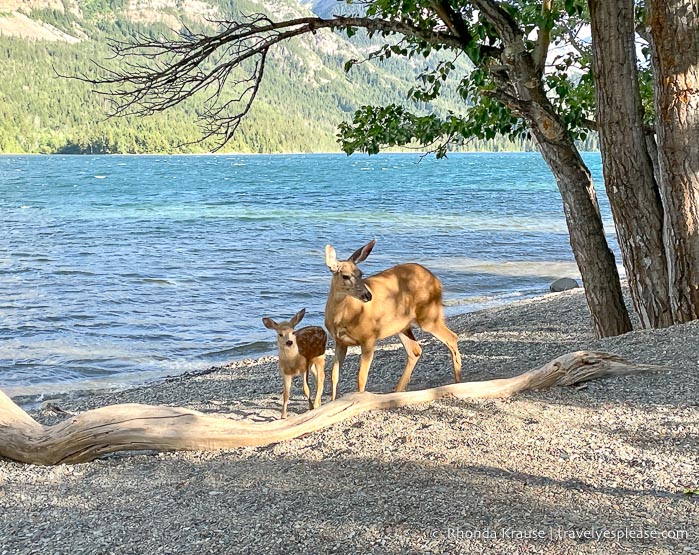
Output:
x=41 y=112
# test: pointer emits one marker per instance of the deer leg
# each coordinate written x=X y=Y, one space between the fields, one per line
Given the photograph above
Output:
x=338 y=359
x=439 y=329
x=306 y=389
x=287 y=390
x=413 y=352
x=319 y=365
x=364 y=363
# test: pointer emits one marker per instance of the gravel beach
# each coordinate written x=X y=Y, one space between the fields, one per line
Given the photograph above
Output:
x=603 y=468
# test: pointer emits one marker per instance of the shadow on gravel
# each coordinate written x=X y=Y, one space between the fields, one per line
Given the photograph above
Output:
x=229 y=504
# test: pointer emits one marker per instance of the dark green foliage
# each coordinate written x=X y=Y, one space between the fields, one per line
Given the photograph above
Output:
x=482 y=116
x=41 y=112
x=294 y=112
x=423 y=95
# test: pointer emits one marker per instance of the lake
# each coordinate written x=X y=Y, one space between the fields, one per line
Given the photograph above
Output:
x=119 y=269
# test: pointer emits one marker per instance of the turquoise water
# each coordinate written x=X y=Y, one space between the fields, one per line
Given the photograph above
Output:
x=117 y=269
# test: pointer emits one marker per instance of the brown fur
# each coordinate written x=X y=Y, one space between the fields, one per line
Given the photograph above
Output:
x=362 y=311
x=300 y=351
x=312 y=341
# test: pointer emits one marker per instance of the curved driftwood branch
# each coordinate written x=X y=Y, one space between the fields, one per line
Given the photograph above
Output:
x=132 y=427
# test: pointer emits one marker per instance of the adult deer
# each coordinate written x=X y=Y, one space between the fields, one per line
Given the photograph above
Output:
x=361 y=311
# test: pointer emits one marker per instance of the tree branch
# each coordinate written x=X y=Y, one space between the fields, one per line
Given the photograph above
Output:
x=543 y=39
x=573 y=31
x=590 y=124
x=91 y=434
x=458 y=27
x=516 y=106
x=508 y=29
x=194 y=50
x=162 y=73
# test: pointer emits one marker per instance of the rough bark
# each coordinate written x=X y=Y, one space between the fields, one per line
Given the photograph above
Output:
x=674 y=30
x=628 y=168
x=172 y=74
x=132 y=427
x=593 y=256
x=524 y=93
x=652 y=148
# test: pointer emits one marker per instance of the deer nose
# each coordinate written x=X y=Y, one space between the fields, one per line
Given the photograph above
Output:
x=366 y=297
x=289 y=343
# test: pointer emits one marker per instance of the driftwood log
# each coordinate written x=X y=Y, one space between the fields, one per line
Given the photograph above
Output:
x=132 y=427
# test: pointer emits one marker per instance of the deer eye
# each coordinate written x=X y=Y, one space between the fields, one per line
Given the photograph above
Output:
x=281 y=335
x=345 y=277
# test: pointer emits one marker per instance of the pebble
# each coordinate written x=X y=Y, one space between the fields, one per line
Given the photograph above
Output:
x=410 y=480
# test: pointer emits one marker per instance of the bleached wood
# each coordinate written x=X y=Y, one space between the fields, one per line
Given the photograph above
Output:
x=133 y=427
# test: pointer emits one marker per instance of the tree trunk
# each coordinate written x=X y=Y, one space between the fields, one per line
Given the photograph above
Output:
x=674 y=30
x=594 y=258
x=132 y=427
x=523 y=91
x=592 y=253
x=628 y=169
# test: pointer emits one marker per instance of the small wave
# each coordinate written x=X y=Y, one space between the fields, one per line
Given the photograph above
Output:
x=481 y=302
x=74 y=273
x=254 y=348
x=31 y=394
x=158 y=281
x=544 y=269
x=21 y=254
x=100 y=177
x=469 y=300
x=505 y=297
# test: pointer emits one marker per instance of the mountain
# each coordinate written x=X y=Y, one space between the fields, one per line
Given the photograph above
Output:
x=304 y=95
x=328 y=8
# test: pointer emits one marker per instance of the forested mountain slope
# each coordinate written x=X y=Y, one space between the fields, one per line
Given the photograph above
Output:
x=305 y=94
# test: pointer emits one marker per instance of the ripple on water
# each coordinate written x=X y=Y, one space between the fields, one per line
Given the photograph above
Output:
x=169 y=263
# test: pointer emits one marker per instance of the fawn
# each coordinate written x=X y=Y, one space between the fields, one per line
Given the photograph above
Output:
x=361 y=311
x=300 y=351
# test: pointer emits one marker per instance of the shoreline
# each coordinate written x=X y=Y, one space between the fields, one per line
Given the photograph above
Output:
x=553 y=466
x=190 y=324
x=416 y=153
x=53 y=391
x=578 y=336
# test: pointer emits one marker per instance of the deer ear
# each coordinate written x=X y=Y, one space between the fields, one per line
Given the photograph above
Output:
x=269 y=323
x=298 y=317
x=331 y=258
x=360 y=255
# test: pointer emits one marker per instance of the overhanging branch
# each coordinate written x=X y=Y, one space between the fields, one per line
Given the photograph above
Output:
x=158 y=74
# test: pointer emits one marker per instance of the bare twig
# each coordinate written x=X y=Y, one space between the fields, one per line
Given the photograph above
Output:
x=160 y=73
